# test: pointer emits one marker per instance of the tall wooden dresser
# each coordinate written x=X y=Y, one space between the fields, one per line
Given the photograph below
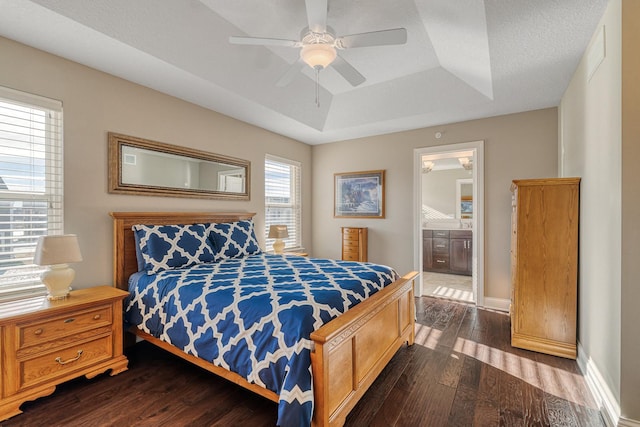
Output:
x=354 y=244
x=544 y=265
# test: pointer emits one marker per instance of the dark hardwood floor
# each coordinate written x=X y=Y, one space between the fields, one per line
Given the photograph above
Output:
x=461 y=371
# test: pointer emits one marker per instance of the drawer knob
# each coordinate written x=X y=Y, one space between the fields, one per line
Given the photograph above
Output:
x=38 y=331
x=69 y=320
x=441 y=261
x=64 y=362
x=96 y=317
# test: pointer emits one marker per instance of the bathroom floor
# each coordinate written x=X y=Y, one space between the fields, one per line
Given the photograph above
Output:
x=449 y=286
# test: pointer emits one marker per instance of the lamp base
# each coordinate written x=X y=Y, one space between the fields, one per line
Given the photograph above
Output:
x=278 y=246
x=57 y=280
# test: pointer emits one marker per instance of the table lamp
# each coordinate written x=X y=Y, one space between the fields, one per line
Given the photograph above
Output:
x=278 y=232
x=56 y=252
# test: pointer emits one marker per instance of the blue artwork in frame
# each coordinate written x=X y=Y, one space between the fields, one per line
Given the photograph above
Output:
x=359 y=194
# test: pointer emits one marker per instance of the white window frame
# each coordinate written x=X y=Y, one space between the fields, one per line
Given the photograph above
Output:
x=294 y=223
x=30 y=130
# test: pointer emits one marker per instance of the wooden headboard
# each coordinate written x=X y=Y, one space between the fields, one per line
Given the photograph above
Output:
x=124 y=244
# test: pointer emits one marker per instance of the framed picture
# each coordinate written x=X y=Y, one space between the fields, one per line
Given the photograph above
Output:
x=359 y=194
x=466 y=207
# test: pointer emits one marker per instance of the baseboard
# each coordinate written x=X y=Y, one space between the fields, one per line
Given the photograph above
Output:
x=609 y=405
x=500 y=304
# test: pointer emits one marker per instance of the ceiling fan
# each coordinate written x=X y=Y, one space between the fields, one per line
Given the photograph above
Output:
x=319 y=45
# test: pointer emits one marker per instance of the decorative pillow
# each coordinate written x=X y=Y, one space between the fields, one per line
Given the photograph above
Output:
x=167 y=247
x=139 y=256
x=233 y=239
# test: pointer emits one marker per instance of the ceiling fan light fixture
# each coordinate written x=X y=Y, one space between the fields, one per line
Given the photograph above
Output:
x=318 y=55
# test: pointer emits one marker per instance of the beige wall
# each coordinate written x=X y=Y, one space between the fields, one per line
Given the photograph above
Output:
x=599 y=141
x=516 y=146
x=95 y=103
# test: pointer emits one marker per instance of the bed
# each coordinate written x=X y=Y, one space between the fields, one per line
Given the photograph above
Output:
x=346 y=353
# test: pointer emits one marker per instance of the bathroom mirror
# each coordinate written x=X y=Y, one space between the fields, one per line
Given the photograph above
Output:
x=143 y=167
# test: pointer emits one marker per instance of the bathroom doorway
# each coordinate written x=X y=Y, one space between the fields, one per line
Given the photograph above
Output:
x=449 y=225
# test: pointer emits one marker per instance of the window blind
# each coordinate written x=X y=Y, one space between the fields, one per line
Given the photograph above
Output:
x=30 y=186
x=282 y=199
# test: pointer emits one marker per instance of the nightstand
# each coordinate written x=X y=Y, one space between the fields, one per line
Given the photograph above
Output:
x=45 y=343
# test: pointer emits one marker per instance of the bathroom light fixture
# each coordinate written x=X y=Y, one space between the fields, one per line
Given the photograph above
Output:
x=466 y=163
x=427 y=166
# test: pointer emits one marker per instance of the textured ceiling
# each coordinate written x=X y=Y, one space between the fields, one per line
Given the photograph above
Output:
x=463 y=59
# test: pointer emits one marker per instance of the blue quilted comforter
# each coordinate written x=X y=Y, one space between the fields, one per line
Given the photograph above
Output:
x=254 y=316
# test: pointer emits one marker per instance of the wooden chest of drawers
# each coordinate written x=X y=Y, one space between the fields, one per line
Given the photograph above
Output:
x=354 y=244
x=544 y=265
x=44 y=343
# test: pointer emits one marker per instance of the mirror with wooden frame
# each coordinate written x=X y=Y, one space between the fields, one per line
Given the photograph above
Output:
x=143 y=167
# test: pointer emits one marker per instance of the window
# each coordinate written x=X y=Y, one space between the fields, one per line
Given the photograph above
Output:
x=282 y=199
x=30 y=186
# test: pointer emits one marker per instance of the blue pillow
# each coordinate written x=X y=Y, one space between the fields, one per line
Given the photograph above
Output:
x=234 y=239
x=167 y=247
x=139 y=257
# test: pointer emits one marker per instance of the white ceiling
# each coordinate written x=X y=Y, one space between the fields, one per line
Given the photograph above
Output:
x=464 y=59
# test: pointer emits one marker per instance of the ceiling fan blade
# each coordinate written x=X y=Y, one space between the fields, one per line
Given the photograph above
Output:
x=317 y=15
x=291 y=74
x=347 y=71
x=374 y=38
x=258 y=41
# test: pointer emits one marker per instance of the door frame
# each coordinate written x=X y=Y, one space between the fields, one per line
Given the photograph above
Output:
x=478 y=211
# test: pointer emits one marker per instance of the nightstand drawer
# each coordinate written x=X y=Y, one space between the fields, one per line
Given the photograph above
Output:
x=62 y=361
x=54 y=328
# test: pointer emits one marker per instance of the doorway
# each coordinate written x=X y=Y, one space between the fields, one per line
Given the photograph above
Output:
x=449 y=225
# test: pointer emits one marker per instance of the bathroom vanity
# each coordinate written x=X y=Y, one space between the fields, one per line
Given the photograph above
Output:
x=447 y=251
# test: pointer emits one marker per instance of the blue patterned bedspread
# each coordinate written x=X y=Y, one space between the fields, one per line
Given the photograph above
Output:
x=254 y=316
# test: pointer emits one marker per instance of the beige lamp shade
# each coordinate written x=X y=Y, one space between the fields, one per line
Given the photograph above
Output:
x=278 y=232
x=57 y=251
x=61 y=249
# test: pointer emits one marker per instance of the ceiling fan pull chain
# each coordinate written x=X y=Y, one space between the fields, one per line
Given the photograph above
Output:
x=317 y=86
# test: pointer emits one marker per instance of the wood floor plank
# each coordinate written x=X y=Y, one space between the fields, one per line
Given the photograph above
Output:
x=511 y=403
x=463 y=408
x=363 y=414
x=450 y=331
x=464 y=373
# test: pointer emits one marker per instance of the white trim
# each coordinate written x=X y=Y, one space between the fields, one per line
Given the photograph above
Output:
x=478 y=211
x=599 y=389
x=29 y=99
x=500 y=304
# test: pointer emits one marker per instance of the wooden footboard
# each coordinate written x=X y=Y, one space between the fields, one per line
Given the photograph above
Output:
x=352 y=350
